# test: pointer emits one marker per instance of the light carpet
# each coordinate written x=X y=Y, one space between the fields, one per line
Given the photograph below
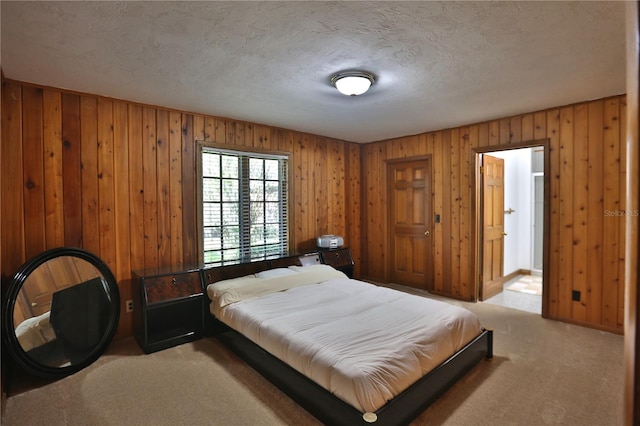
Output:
x=544 y=372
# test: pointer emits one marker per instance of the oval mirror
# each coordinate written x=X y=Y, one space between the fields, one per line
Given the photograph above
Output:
x=61 y=311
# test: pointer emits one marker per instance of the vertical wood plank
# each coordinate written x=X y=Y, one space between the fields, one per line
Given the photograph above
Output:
x=53 y=169
x=89 y=158
x=136 y=187
x=239 y=134
x=335 y=185
x=527 y=124
x=248 y=134
x=596 y=212
x=504 y=133
x=210 y=129
x=11 y=160
x=175 y=187
x=580 y=209
x=553 y=133
x=474 y=144
x=285 y=144
x=230 y=132
x=106 y=183
x=369 y=250
x=565 y=259
x=483 y=134
x=72 y=173
x=435 y=139
x=365 y=185
x=121 y=195
x=622 y=224
x=33 y=166
x=382 y=195
x=321 y=162
x=613 y=212
x=298 y=183
x=446 y=219
x=456 y=197
x=150 y=183
x=494 y=133
x=422 y=146
x=539 y=125
x=465 y=214
x=313 y=191
x=515 y=129
x=199 y=128
x=189 y=232
x=261 y=138
x=220 y=131
x=162 y=189
x=353 y=204
x=338 y=184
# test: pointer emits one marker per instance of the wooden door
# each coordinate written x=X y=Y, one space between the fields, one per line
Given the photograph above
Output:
x=492 y=175
x=410 y=258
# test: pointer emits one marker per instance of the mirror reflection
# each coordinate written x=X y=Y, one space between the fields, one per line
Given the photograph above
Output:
x=62 y=311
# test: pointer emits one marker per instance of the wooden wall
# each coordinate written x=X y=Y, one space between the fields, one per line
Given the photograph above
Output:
x=587 y=223
x=118 y=179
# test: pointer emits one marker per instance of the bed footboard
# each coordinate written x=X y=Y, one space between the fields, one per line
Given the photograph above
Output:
x=333 y=411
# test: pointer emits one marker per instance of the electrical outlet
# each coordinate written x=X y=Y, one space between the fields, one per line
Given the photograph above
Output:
x=129 y=305
x=575 y=295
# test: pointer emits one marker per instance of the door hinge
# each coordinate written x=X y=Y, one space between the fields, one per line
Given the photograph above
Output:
x=481 y=170
x=480 y=278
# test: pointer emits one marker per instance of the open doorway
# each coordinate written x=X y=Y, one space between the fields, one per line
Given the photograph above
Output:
x=510 y=206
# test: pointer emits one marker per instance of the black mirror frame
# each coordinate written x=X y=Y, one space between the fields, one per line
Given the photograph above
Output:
x=8 y=329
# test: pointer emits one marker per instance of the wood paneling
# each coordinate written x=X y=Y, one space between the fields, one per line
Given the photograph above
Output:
x=587 y=208
x=119 y=179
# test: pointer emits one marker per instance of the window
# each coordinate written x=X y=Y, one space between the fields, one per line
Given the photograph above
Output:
x=244 y=206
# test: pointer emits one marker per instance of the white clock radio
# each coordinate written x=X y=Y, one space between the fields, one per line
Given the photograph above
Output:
x=330 y=241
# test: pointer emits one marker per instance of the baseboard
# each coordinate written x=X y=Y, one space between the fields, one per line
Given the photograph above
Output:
x=516 y=273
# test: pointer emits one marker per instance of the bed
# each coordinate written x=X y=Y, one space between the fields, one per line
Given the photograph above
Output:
x=349 y=352
x=35 y=332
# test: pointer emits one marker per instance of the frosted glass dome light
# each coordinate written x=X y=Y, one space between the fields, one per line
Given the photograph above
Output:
x=352 y=83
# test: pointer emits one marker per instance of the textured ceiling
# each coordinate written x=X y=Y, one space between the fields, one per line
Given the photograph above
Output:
x=438 y=64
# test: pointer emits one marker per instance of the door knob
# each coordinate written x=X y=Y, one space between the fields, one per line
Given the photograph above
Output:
x=504 y=233
x=427 y=233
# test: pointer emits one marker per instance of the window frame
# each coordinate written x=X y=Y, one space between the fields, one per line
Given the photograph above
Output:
x=202 y=146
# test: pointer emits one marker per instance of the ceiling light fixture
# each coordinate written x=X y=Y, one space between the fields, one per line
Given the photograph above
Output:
x=352 y=83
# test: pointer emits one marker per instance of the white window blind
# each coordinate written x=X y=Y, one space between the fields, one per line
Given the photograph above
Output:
x=244 y=206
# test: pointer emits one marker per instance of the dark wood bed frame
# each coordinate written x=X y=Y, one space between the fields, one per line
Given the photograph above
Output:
x=322 y=404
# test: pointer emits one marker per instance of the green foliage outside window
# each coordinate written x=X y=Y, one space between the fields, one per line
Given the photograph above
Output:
x=244 y=206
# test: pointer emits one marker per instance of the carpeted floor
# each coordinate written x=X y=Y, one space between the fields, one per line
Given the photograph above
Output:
x=544 y=372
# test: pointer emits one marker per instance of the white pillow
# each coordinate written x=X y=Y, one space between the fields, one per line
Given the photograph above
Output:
x=317 y=267
x=214 y=290
x=278 y=272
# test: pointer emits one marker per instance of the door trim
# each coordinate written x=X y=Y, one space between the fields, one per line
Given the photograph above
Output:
x=476 y=220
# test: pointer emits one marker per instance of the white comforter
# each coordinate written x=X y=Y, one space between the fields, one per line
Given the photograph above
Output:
x=363 y=343
x=34 y=332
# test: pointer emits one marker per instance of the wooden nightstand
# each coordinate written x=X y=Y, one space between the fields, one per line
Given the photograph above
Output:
x=169 y=308
x=339 y=258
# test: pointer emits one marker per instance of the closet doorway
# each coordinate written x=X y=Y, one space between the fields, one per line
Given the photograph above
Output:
x=511 y=206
